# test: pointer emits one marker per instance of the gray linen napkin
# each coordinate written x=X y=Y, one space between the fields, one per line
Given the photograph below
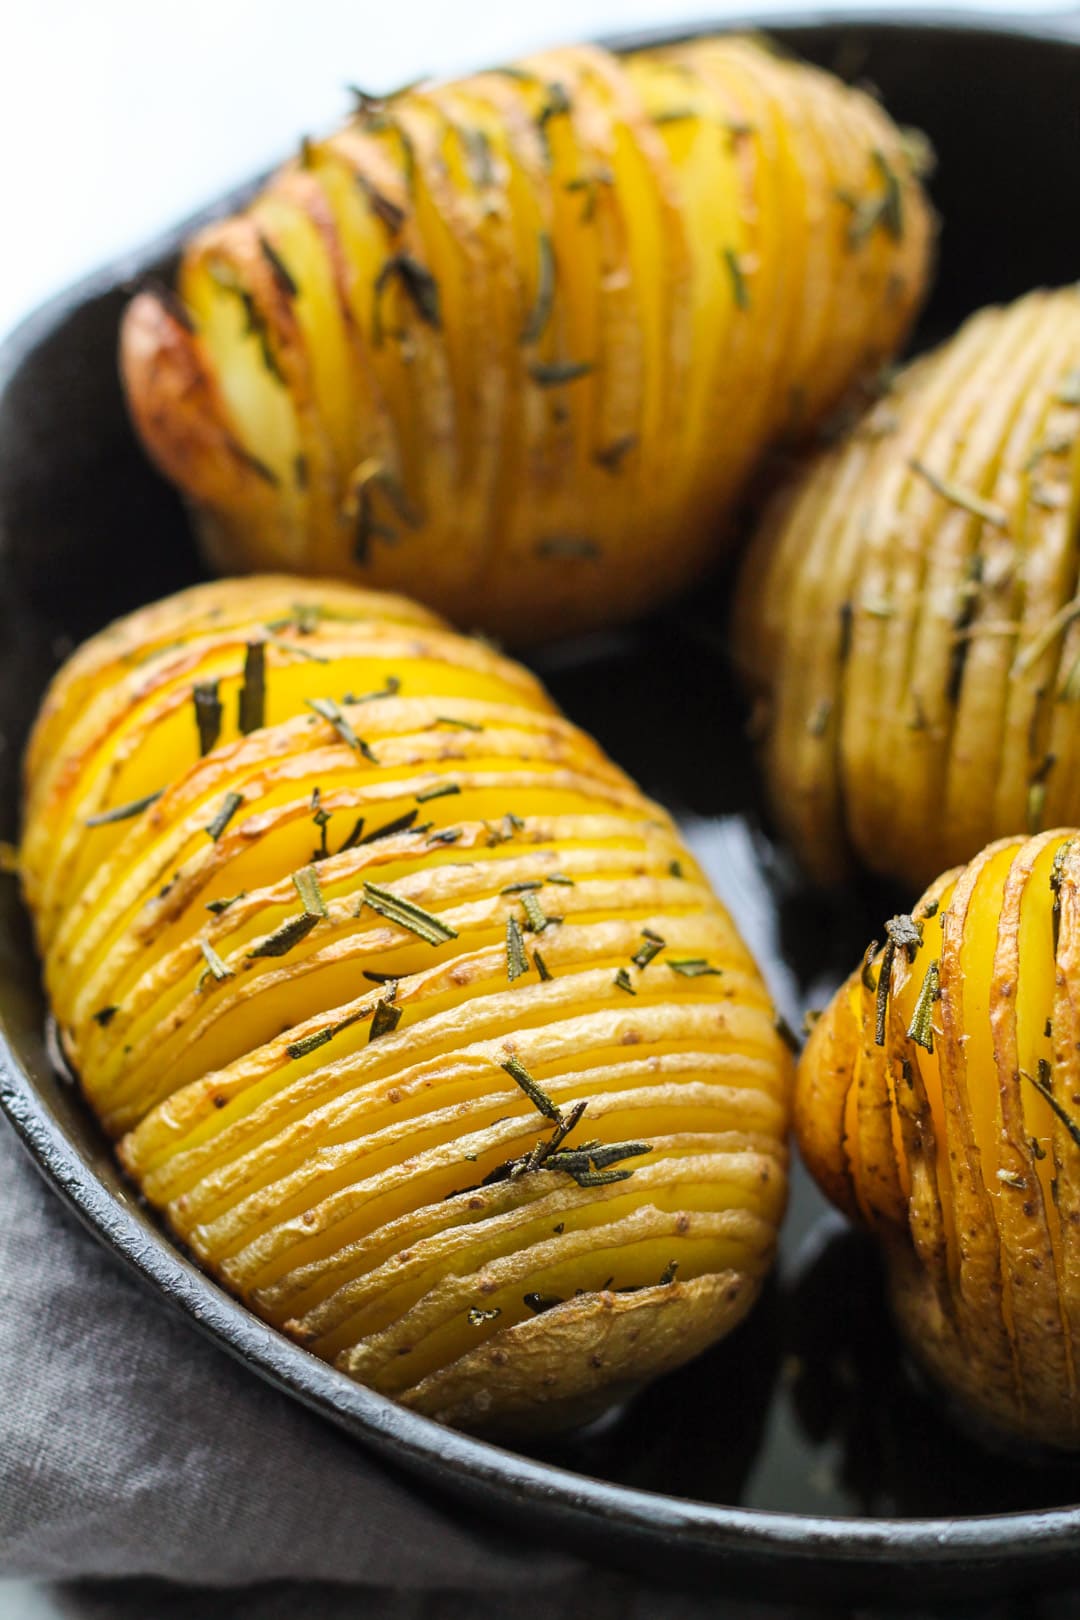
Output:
x=131 y=1446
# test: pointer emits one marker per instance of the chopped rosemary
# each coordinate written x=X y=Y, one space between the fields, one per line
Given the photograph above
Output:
x=540 y=314
x=956 y=495
x=667 y=1276
x=439 y=792
x=622 y=981
x=1049 y=633
x=611 y=456
x=553 y=373
x=328 y=710
x=105 y=1015
x=399 y=824
x=692 y=967
x=921 y=1028
x=740 y=291
x=208 y=714
x=123 y=812
x=535 y=916
x=322 y=819
x=675 y=115
x=885 y=209
x=290 y=933
x=448 y=835
x=539 y=1098
x=522 y=888
x=589 y=1164
x=478 y=1315
x=311 y=1043
x=306 y=883
x=383 y=207
x=1057 y=877
x=517 y=962
x=561 y=877
x=556 y=105
x=379 y=978
x=251 y=715
x=541 y=966
x=391 y=689
x=461 y=725
x=417 y=283
x=651 y=948
x=216 y=907
x=902 y=933
x=387 y=1016
x=675 y=870
x=283 y=277
x=396 y=909
x=217 y=967
x=354 y=837
x=230 y=804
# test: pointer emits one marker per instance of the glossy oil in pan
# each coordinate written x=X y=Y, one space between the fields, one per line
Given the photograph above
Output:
x=799 y=1458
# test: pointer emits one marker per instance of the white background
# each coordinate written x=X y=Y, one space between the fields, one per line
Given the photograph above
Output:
x=118 y=117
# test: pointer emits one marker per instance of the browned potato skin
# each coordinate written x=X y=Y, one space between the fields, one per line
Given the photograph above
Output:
x=967 y=1174
x=733 y=241
x=911 y=649
x=334 y=1180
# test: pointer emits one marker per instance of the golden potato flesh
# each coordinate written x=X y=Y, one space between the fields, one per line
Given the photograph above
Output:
x=908 y=616
x=513 y=344
x=938 y=1100
x=411 y=1014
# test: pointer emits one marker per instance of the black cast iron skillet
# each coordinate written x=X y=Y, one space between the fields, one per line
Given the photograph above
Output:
x=799 y=1459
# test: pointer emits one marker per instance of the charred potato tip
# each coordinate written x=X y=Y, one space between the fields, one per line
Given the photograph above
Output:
x=409 y=1012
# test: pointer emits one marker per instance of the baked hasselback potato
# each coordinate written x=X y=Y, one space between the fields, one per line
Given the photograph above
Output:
x=908 y=616
x=513 y=344
x=938 y=1099
x=409 y=1011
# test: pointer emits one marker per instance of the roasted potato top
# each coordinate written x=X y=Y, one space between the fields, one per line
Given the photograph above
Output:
x=413 y=1015
x=908 y=617
x=938 y=1099
x=513 y=344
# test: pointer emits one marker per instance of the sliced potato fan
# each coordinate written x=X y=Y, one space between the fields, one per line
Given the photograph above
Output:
x=938 y=1100
x=514 y=343
x=408 y=1010
x=908 y=617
